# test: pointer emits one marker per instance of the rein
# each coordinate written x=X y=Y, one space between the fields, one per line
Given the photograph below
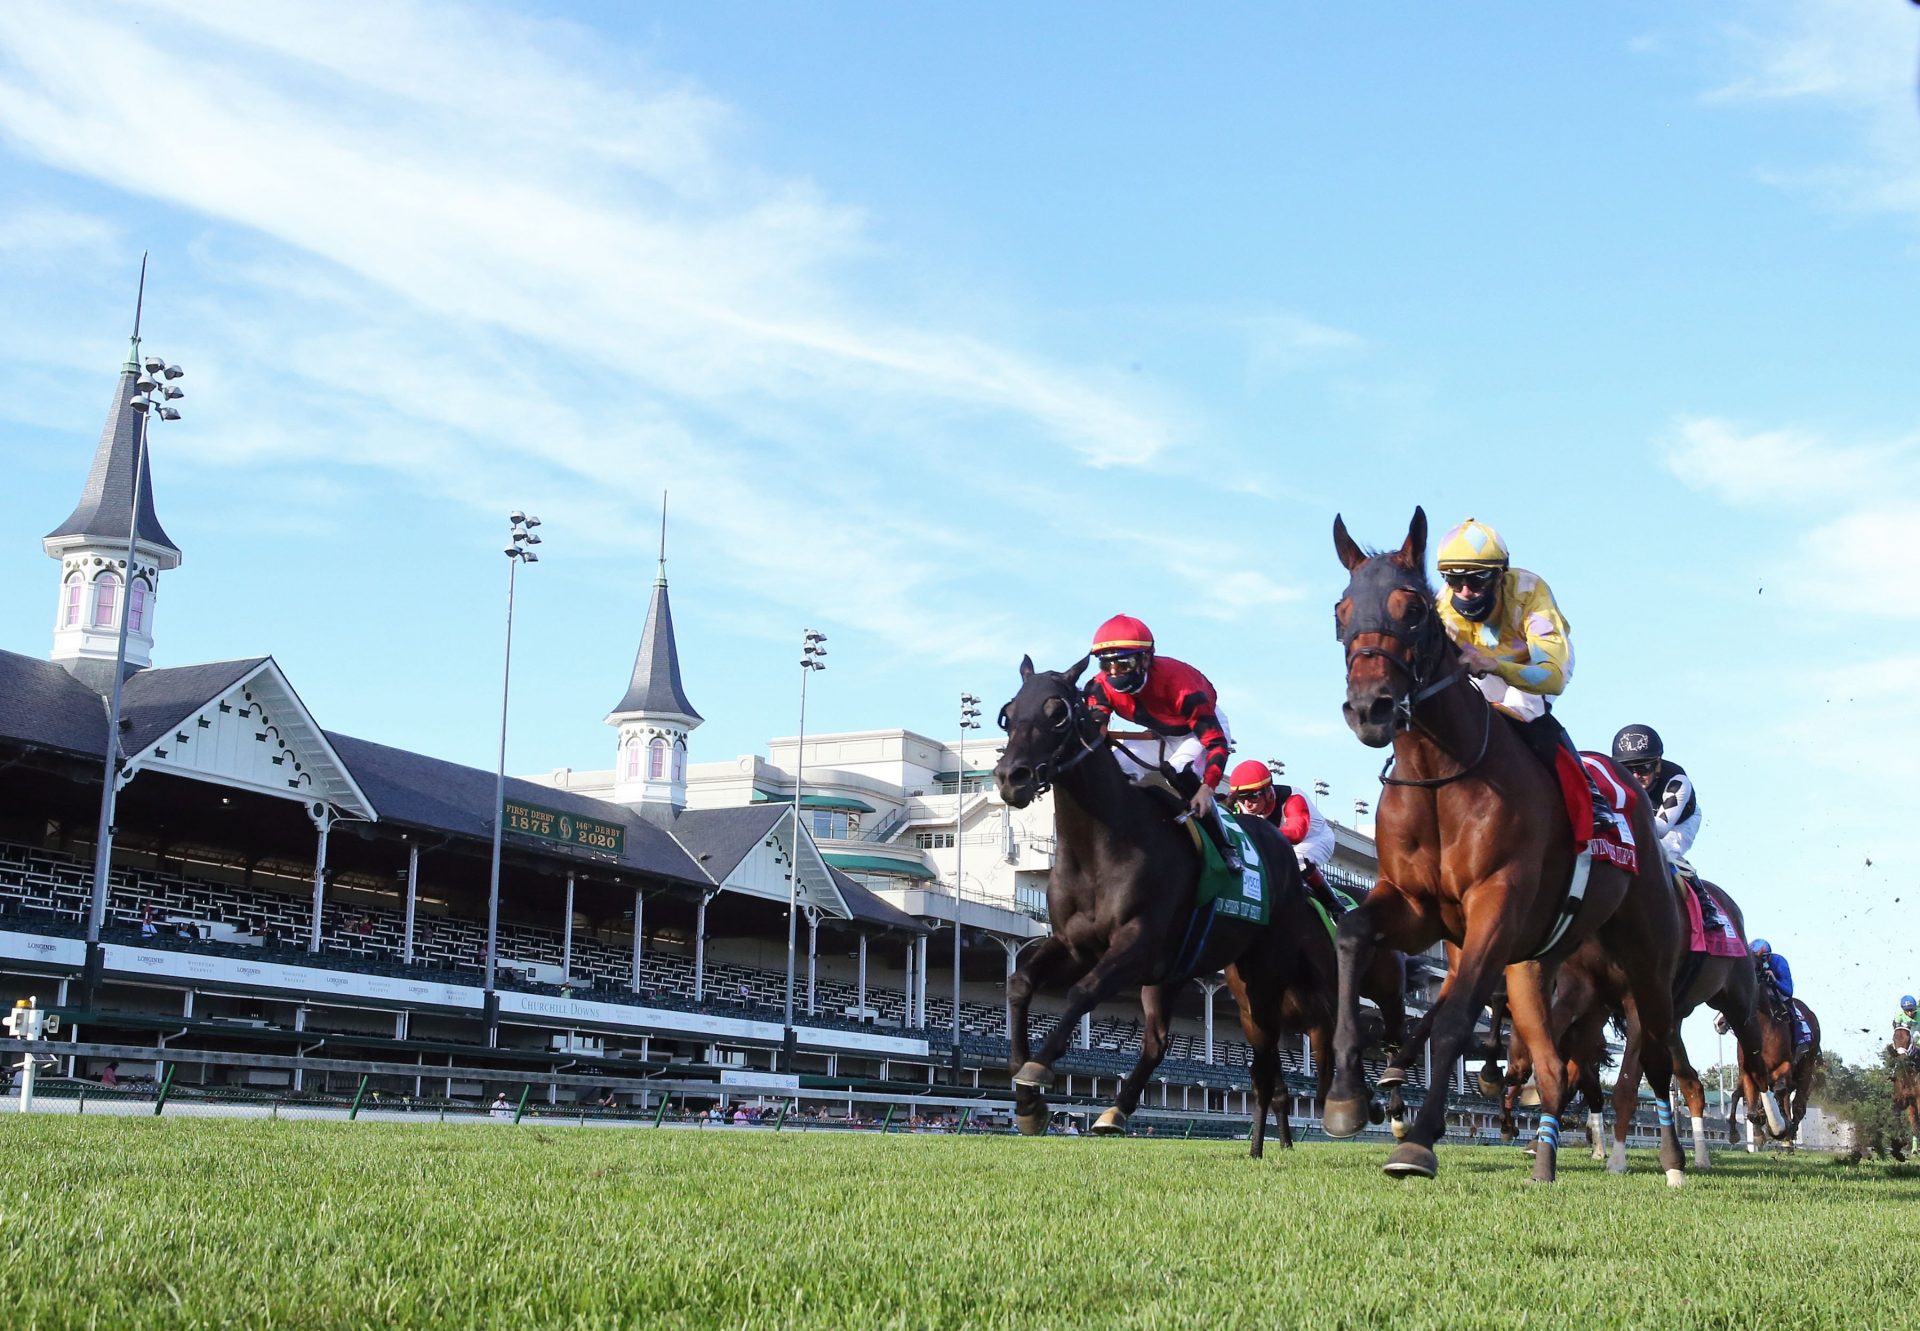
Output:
x=1055 y=768
x=1420 y=642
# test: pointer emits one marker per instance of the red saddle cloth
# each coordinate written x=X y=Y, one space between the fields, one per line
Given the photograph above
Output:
x=1724 y=940
x=1614 y=842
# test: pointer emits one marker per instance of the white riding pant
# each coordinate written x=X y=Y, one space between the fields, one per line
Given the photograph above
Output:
x=1518 y=702
x=1678 y=840
x=1183 y=753
x=1317 y=848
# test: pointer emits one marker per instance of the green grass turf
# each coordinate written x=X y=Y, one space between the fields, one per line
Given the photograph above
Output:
x=202 y=1223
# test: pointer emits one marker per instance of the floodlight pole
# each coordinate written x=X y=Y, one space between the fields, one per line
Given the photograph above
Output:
x=969 y=720
x=518 y=551
x=156 y=391
x=811 y=654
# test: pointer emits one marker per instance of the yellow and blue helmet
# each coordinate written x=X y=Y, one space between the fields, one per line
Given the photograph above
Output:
x=1471 y=545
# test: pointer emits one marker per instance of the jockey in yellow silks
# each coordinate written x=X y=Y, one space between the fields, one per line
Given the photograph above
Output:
x=1513 y=640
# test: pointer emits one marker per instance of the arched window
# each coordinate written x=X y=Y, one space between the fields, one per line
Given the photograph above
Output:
x=679 y=761
x=106 y=591
x=137 y=606
x=656 y=760
x=70 y=610
x=631 y=760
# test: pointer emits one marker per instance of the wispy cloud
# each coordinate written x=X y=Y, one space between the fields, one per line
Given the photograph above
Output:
x=502 y=242
x=1857 y=57
x=1749 y=467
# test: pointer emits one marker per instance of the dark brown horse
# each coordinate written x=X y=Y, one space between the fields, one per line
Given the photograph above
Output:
x=1906 y=1089
x=1120 y=900
x=1592 y=987
x=1784 y=1086
x=1475 y=849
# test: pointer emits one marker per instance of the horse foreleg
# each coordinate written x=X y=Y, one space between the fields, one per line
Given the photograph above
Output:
x=1626 y=1090
x=1467 y=989
x=1359 y=936
x=1513 y=1082
x=1127 y=959
x=1037 y=970
x=1492 y=1078
x=1153 y=1048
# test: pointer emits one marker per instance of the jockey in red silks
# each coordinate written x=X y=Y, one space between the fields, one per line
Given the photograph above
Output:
x=1177 y=708
x=1251 y=788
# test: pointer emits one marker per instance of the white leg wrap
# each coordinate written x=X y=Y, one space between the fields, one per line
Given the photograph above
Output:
x=1776 y=1121
x=1597 y=1125
x=1617 y=1162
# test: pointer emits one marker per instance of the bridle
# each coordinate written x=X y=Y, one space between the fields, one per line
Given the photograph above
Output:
x=1421 y=643
x=1079 y=726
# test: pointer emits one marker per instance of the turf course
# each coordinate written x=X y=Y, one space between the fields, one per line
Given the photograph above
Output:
x=202 y=1223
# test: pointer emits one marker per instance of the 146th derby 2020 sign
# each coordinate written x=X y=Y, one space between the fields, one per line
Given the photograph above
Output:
x=566 y=828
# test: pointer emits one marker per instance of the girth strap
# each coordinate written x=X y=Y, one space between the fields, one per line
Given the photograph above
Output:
x=1570 y=904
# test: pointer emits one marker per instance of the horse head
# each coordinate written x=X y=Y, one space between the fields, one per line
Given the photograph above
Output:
x=1387 y=622
x=1049 y=730
x=1902 y=1040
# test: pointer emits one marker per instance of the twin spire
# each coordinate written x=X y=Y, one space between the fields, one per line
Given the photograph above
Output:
x=655 y=689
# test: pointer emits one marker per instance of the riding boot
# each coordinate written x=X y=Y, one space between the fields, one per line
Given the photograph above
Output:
x=1217 y=830
x=1317 y=889
x=1543 y=735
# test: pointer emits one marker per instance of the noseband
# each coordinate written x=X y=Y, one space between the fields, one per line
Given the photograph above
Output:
x=1420 y=641
x=1081 y=729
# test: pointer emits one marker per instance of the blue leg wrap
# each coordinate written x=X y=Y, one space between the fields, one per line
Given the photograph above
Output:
x=1549 y=1130
x=1665 y=1112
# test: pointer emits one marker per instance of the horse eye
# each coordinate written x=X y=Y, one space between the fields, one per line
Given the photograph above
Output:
x=1004 y=723
x=1057 y=712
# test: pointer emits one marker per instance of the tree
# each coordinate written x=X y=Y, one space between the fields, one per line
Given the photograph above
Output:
x=1861 y=1095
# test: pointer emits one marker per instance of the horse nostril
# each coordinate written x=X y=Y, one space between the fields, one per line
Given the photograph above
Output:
x=1019 y=776
x=1380 y=711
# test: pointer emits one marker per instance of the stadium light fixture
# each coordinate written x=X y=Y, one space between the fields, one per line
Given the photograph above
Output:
x=146 y=409
x=517 y=554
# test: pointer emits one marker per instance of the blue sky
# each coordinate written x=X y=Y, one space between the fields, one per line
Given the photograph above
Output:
x=954 y=331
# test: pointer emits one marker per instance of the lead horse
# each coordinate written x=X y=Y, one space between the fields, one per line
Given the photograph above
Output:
x=1475 y=848
x=1120 y=900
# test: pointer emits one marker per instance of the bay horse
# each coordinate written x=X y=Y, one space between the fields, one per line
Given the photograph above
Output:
x=1120 y=902
x=1784 y=1084
x=1592 y=987
x=1906 y=1088
x=1475 y=848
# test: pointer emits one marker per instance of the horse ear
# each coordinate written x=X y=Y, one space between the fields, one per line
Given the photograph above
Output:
x=1026 y=667
x=1351 y=555
x=1078 y=668
x=1414 y=553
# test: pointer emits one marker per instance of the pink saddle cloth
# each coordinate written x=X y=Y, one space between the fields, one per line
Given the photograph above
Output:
x=1723 y=940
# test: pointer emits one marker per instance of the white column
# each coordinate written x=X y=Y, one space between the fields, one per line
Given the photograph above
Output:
x=1460 y=1076
x=1012 y=945
x=319 y=881
x=186 y=1005
x=913 y=950
x=863 y=979
x=566 y=935
x=1086 y=1030
x=1427 y=1054
x=413 y=898
x=639 y=934
x=300 y=1024
x=813 y=950
x=1306 y=1054
x=1209 y=989
x=700 y=951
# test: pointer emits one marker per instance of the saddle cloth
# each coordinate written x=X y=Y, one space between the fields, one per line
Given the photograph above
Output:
x=1723 y=940
x=1614 y=839
x=1802 y=1028
x=1238 y=896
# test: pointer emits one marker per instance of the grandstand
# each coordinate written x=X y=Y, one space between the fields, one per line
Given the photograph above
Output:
x=278 y=888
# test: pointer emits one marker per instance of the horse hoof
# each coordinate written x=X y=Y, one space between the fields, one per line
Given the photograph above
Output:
x=1034 y=1077
x=1113 y=1123
x=1344 y=1118
x=1411 y=1160
x=1376 y=1113
x=1490 y=1088
x=1031 y=1125
x=1599 y=1154
x=1676 y=1178
x=1399 y=1129
x=1391 y=1078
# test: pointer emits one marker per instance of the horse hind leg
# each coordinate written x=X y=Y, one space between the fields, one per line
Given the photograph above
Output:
x=1153 y=1048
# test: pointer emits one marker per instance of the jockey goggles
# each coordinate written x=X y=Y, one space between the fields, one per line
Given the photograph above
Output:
x=1469 y=579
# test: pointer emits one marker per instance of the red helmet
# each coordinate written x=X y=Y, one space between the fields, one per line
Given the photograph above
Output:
x=1122 y=633
x=1249 y=777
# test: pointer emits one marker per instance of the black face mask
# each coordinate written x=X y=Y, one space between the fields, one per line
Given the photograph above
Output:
x=1476 y=603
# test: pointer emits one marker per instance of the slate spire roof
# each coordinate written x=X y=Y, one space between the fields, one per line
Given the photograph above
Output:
x=655 y=686
x=107 y=500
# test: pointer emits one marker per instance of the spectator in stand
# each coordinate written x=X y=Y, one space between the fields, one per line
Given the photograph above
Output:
x=607 y=1100
x=110 y=1075
x=500 y=1108
x=148 y=927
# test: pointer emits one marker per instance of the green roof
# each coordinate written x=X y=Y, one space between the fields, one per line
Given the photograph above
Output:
x=847 y=802
x=852 y=863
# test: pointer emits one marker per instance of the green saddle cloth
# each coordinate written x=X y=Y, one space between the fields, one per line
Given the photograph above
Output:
x=1240 y=896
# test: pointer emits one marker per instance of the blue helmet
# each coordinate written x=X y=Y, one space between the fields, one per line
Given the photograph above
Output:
x=1761 y=947
x=1907 y=1004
